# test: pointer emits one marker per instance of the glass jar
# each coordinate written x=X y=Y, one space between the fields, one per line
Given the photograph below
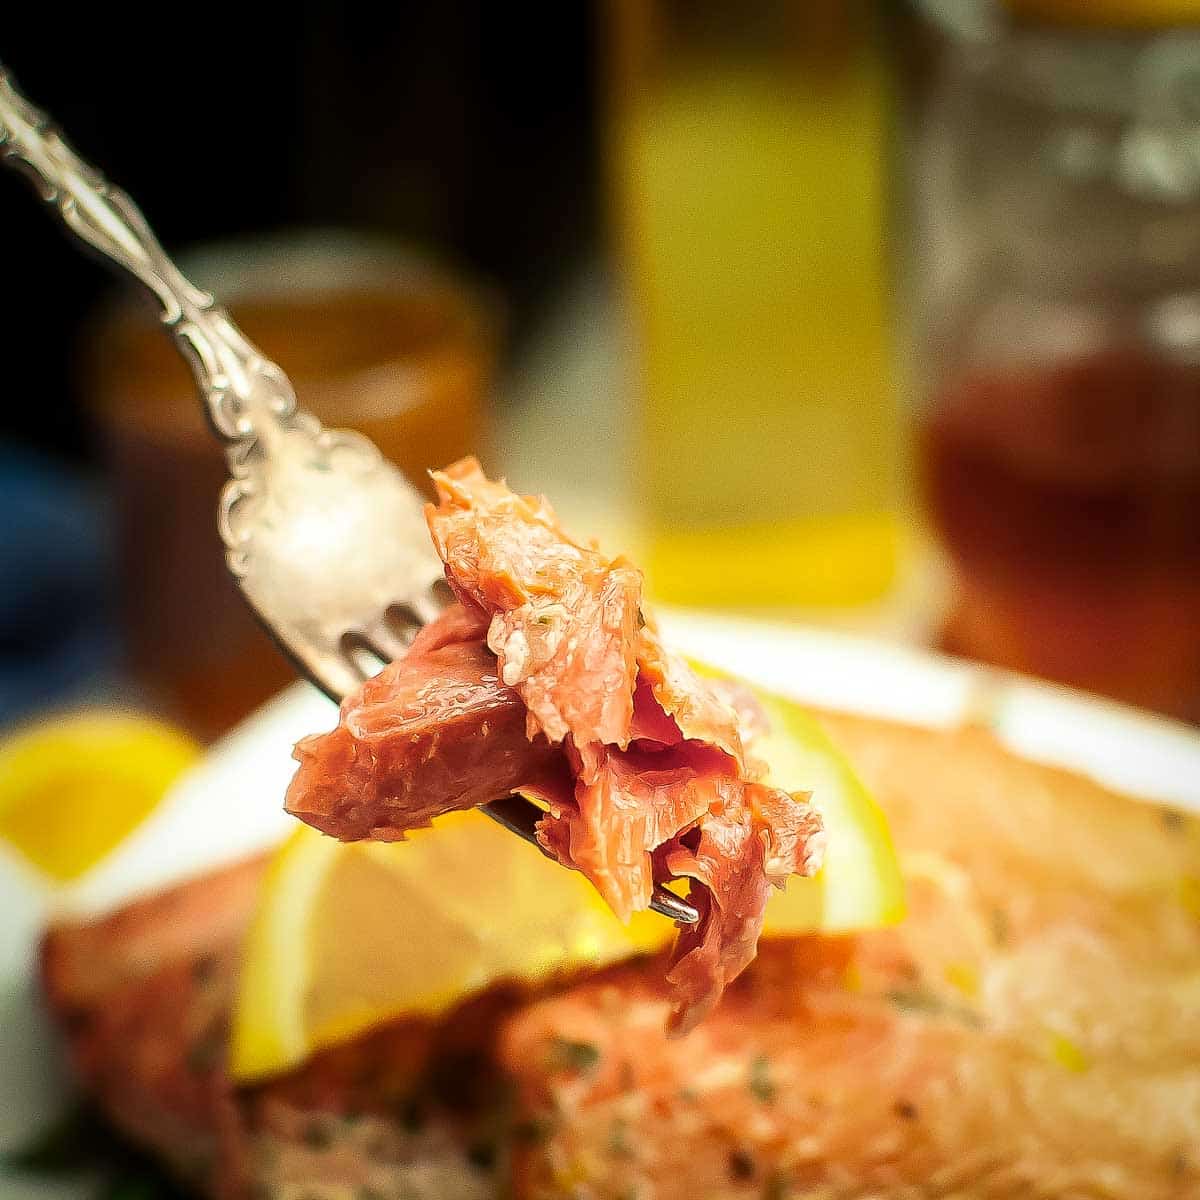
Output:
x=749 y=152
x=1058 y=285
x=373 y=338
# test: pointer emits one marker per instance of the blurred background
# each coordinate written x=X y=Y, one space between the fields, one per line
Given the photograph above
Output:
x=880 y=316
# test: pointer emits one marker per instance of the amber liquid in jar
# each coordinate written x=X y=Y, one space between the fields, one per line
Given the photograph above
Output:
x=1068 y=497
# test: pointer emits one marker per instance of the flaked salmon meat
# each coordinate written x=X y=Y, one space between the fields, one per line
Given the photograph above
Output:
x=548 y=678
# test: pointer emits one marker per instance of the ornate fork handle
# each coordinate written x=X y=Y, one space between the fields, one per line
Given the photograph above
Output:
x=248 y=398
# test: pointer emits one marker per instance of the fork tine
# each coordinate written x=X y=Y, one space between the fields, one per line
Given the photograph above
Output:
x=337 y=675
x=519 y=816
x=667 y=904
x=426 y=607
x=384 y=640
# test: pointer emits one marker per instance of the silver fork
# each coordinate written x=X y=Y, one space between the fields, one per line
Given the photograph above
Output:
x=325 y=538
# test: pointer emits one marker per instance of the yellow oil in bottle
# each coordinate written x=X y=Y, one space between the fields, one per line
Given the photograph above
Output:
x=751 y=189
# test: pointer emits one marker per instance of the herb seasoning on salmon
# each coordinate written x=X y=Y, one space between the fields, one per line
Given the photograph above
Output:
x=547 y=677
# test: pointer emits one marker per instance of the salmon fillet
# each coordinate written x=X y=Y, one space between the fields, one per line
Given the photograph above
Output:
x=143 y=998
x=547 y=679
x=1031 y=1030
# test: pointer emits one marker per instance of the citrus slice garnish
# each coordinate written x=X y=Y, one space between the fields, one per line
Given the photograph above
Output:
x=72 y=787
x=859 y=886
x=348 y=935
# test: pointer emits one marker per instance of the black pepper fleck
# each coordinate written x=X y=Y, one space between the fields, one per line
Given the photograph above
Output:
x=412 y=1116
x=1173 y=820
x=906 y=1110
x=741 y=1165
x=204 y=969
x=317 y=1136
x=482 y=1155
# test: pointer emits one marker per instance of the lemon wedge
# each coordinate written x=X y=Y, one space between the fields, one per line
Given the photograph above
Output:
x=347 y=936
x=859 y=886
x=72 y=787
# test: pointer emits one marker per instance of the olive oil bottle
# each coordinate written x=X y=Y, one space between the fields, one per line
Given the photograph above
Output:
x=749 y=149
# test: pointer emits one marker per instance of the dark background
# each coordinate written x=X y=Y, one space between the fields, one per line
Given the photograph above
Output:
x=466 y=127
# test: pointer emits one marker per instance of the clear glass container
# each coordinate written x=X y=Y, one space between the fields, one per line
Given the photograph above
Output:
x=1057 y=191
x=749 y=158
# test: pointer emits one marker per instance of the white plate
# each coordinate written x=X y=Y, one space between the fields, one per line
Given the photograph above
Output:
x=229 y=805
